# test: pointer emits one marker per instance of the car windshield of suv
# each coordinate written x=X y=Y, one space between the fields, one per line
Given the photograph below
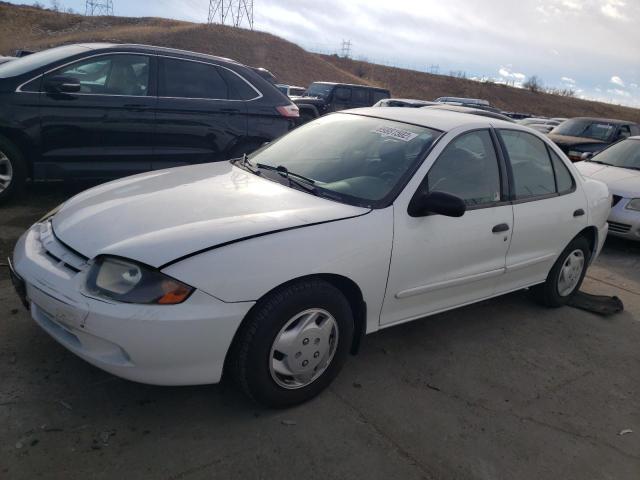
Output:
x=321 y=90
x=586 y=128
x=349 y=158
x=625 y=154
x=34 y=61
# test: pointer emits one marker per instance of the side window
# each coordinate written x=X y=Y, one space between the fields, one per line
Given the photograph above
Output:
x=564 y=179
x=530 y=163
x=625 y=132
x=361 y=96
x=240 y=89
x=110 y=74
x=187 y=79
x=377 y=96
x=468 y=168
x=342 y=94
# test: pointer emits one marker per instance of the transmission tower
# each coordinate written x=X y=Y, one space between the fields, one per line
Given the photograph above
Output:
x=98 y=7
x=346 y=48
x=231 y=12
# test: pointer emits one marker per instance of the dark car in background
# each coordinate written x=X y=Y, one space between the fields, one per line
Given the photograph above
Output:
x=326 y=97
x=471 y=110
x=100 y=111
x=584 y=136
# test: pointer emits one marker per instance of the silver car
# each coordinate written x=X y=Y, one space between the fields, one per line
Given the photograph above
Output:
x=619 y=167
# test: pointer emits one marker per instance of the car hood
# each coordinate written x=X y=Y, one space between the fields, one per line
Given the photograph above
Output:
x=160 y=216
x=568 y=141
x=621 y=181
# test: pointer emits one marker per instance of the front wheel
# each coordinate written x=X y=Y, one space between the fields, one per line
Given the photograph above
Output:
x=13 y=170
x=566 y=275
x=293 y=344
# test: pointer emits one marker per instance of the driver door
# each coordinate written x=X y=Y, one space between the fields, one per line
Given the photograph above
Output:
x=441 y=262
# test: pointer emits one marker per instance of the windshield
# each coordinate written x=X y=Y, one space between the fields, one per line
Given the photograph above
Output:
x=350 y=158
x=321 y=90
x=34 y=61
x=586 y=128
x=625 y=154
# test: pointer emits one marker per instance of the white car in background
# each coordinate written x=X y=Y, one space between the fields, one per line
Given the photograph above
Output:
x=272 y=268
x=619 y=167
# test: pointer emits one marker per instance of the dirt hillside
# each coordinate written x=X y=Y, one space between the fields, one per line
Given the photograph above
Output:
x=33 y=28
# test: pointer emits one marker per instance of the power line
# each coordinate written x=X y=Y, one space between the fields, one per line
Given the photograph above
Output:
x=98 y=7
x=231 y=12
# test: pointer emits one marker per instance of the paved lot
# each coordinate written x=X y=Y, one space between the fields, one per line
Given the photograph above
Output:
x=501 y=390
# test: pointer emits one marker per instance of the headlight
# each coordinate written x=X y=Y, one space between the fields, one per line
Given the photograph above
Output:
x=130 y=282
x=634 y=204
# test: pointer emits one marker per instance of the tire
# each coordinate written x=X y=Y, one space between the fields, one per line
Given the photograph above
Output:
x=276 y=324
x=555 y=292
x=13 y=170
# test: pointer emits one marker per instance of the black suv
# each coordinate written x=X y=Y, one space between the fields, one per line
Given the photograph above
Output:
x=99 y=111
x=325 y=97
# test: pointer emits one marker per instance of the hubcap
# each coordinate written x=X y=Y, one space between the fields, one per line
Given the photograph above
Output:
x=304 y=348
x=570 y=273
x=6 y=172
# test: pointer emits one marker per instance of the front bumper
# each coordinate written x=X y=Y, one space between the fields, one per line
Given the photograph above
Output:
x=623 y=222
x=183 y=344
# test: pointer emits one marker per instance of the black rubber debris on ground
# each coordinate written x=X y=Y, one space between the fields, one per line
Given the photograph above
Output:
x=600 y=304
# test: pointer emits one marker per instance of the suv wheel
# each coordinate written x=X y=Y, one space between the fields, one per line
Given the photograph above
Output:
x=293 y=344
x=12 y=169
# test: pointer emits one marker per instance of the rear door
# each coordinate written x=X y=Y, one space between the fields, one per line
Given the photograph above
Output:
x=106 y=129
x=197 y=118
x=548 y=210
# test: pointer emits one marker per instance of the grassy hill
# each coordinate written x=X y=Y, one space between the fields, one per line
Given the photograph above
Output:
x=33 y=28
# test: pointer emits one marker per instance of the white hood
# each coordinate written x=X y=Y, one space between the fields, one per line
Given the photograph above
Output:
x=621 y=181
x=159 y=216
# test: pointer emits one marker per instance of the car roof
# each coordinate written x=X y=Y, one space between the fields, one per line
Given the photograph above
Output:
x=155 y=49
x=608 y=120
x=438 y=119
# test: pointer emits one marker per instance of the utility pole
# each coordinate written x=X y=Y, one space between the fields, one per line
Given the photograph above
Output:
x=346 y=49
x=231 y=12
x=93 y=8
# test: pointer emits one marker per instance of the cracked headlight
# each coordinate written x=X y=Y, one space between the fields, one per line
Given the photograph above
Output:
x=130 y=282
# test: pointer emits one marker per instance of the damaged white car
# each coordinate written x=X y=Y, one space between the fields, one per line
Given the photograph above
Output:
x=272 y=268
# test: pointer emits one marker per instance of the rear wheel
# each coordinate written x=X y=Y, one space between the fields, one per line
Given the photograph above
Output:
x=566 y=275
x=13 y=172
x=293 y=344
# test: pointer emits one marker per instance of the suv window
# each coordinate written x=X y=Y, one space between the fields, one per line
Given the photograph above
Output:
x=625 y=132
x=342 y=94
x=468 y=168
x=377 y=96
x=361 y=96
x=564 y=179
x=110 y=74
x=187 y=79
x=532 y=171
x=239 y=89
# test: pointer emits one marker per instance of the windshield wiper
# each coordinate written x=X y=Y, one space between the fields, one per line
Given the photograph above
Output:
x=306 y=183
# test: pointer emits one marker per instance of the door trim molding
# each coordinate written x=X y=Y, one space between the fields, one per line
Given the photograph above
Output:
x=411 y=292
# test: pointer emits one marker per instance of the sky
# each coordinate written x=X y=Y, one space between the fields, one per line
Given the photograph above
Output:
x=589 y=46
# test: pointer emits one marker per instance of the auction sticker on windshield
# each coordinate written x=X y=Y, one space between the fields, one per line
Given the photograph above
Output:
x=397 y=133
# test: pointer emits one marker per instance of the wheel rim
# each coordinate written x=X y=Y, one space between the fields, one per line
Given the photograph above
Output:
x=570 y=272
x=304 y=348
x=6 y=172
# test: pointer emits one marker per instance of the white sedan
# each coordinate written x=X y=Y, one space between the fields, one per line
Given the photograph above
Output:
x=272 y=268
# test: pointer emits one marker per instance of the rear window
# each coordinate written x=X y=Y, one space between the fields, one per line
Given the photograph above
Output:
x=37 y=60
x=187 y=79
x=239 y=89
x=586 y=128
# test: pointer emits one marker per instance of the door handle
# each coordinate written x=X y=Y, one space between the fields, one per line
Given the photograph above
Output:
x=578 y=213
x=501 y=227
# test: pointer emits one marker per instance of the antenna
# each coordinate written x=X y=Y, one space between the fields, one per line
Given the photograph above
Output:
x=94 y=8
x=346 y=48
x=231 y=12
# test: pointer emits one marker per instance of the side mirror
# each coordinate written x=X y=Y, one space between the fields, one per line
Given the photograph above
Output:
x=440 y=203
x=586 y=156
x=60 y=84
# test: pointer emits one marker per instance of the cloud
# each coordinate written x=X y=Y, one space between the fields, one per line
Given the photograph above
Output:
x=568 y=80
x=611 y=9
x=617 y=80
x=507 y=73
x=633 y=85
x=619 y=92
